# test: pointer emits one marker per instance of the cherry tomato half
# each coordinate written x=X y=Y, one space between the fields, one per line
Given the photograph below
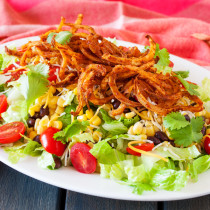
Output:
x=14 y=75
x=50 y=144
x=145 y=147
x=207 y=145
x=10 y=132
x=52 y=75
x=3 y=104
x=82 y=160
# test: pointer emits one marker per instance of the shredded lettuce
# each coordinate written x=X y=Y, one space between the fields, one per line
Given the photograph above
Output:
x=71 y=130
x=46 y=161
x=204 y=90
x=62 y=37
x=112 y=126
x=6 y=60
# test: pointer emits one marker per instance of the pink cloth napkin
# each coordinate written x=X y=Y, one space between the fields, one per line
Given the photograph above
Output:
x=186 y=32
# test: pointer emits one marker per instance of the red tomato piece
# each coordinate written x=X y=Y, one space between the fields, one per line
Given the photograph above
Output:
x=146 y=147
x=171 y=64
x=52 y=75
x=10 y=132
x=50 y=144
x=3 y=104
x=10 y=67
x=82 y=160
x=207 y=145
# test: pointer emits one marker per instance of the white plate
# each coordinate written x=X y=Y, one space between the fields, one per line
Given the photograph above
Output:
x=93 y=184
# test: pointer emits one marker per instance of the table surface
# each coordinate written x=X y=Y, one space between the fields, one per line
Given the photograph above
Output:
x=20 y=192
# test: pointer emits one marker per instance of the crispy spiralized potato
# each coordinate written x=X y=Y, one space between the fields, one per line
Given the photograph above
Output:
x=103 y=71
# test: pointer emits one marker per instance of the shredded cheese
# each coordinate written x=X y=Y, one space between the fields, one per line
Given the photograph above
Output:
x=144 y=152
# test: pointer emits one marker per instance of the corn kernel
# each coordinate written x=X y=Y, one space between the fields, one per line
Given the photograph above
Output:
x=137 y=128
x=44 y=121
x=130 y=131
x=145 y=115
x=202 y=113
x=90 y=144
x=33 y=109
x=44 y=100
x=208 y=131
x=59 y=110
x=150 y=131
x=53 y=100
x=97 y=135
x=75 y=91
x=159 y=120
x=39 y=101
x=30 y=129
x=207 y=115
x=82 y=118
x=60 y=102
x=148 y=123
x=52 y=111
x=95 y=121
x=57 y=124
x=32 y=134
x=156 y=128
x=36 y=124
x=81 y=112
x=144 y=130
x=41 y=129
x=52 y=89
x=130 y=115
x=89 y=114
x=143 y=136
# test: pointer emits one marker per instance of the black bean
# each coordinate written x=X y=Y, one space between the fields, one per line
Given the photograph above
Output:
x=193 y=104
x=58 y=162
x=36 y=115
x=187 y=117
x=126 y=110
x=155 y=140
x=172 y=143
x=56 y=93
x=44 y=111
x=203 y=131
x=31 y=122
x=161 y=135
x=115 y=103
x=37 y=139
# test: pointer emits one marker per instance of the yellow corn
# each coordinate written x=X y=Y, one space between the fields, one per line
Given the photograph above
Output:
x=82 y=118
x=90 y=144
x=144 y=130
x=207 y=115
x=52 y=89
x=150 y=131
x=145 y=115
x=143 y=136
x=32 y=134
x=89 y=114
x=81 y=112
x=148 y=123
x=130 y=131
x=130 y=115
x=30 y=129
x=36 y=124
x=60 y=102
x=75 y=91
x=57 y=124
x=137 y=128
x=33 y=109
x=208 y=131
x=156 y=128
x=41 y=129
x=159 y=120
x=53 y=102
x=202 y=113
x=59 y=110
x=95 y=121
x=54 y=117
x=97 y=135
x=52 y=111
x=44 y=121
x=39 y=101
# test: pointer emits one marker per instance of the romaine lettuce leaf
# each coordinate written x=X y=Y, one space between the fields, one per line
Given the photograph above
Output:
x=204 y=90
x=46 y=161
